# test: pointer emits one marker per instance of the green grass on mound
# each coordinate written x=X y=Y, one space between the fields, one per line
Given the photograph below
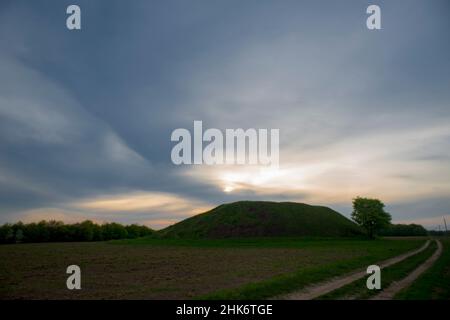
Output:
x=264 y=219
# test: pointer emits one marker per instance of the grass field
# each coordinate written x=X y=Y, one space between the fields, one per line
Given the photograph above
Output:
x=177 y=269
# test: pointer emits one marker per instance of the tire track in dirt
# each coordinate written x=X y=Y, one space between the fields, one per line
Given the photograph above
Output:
x=397 y=286
x=317 y=290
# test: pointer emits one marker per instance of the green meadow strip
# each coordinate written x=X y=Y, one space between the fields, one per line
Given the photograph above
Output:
x=267 y=242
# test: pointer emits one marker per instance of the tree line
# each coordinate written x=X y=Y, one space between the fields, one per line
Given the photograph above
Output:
x=57 y=231
x=404 y=230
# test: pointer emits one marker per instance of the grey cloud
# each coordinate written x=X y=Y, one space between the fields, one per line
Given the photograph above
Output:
x=90 y=113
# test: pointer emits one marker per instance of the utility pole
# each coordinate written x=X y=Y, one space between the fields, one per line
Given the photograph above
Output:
x=445 y=223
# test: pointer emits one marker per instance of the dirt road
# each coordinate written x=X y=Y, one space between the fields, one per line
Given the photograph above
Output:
x=397 y=286
x=320 y=289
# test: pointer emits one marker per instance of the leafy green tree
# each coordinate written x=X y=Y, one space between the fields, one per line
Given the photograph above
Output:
x=6 y=233
x=113 y=231
x=97 y=233
x=136 y=231
x=31 y=233
x=370 y=214
x=86 y=230
x=19 y=235
x=43 y=231
x=55 y=230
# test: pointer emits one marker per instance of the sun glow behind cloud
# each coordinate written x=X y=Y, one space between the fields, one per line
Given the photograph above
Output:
x=352 y=121
x=140 y=201
x=363 y=165
x=154 y=209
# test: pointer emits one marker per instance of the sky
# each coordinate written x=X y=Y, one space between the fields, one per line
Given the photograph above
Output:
x=86 y=115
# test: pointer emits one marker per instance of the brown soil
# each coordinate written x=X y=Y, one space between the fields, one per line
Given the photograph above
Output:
x=38 y=271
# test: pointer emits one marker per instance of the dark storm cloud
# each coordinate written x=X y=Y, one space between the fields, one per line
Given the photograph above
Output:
x=90 y=113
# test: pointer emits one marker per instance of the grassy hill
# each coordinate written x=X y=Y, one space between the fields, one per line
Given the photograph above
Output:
x=264 y=219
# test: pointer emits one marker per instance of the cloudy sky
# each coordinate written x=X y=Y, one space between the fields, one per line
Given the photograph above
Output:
x=86 y=116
